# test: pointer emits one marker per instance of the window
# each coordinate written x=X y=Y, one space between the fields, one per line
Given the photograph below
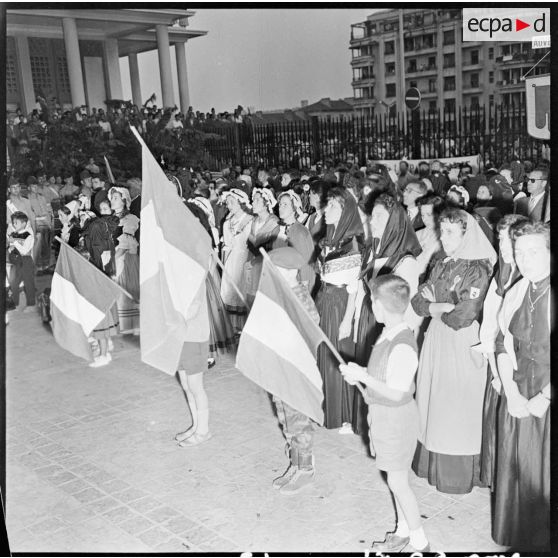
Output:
x=474 y=101
x=409 y=44
x=491 y=99
x=431 y=62
x=63 y=77
x=474 y=79
x=490 y=53
x=390 y=68
x=474 y=57
x=449 y=37
x=40 y=73
x=390 y=90
x=449 y=105
x=429 y=41
x=432 y=106
x=490 y=77
x=505 y=50
x=432 y=86
x=389 y=47
x=449 y=60
x=413 y=84
x=449 y=83
x=412 y=65
x=11 y=73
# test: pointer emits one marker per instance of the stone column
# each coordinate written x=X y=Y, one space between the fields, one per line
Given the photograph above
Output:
x=135 y=78
x=74 y=61
x=181 y=68
x=163 y=48
x=112 y=69
x=27 y=94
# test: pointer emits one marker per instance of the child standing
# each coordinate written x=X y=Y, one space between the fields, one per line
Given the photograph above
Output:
x=298 y=429
x=20 y=247
x=392 y=411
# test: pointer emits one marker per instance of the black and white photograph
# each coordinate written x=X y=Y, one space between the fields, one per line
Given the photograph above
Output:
x=277 y=279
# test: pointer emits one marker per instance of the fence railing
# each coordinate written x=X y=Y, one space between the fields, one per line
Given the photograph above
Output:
x=497 y=133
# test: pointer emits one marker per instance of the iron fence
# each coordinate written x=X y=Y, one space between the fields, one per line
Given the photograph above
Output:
x=496 y=132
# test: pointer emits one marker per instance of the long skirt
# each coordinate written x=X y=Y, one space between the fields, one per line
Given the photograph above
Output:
x=450 y=393
x=521 y=517
x=128 y=309
x=41 y=250
x=339 y=396
x=108 y=327
x=222 y=339
x=489 y=430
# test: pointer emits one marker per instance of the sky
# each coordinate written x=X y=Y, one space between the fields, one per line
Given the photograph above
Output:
x=261 y=58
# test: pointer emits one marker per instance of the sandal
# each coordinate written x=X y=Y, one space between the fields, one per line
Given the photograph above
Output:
x=181 y=436
x=195 y=440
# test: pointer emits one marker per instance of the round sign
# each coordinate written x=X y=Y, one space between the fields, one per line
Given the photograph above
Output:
x=412 y=98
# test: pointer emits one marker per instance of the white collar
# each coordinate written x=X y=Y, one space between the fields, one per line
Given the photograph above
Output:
x=537 y=197
x=389 y=334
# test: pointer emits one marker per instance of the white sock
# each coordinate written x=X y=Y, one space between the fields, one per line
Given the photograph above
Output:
x=402 y=528
x=418 y=538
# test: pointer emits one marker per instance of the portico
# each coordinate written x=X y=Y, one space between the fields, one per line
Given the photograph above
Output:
x=73 y=55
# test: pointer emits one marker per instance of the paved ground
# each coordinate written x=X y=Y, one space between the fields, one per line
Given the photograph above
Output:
x=92 y=466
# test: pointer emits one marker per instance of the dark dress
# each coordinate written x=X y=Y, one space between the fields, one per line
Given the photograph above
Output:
x=522 y=489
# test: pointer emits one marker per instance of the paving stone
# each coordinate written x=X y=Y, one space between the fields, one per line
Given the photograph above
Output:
x=33 y=460
x=104 y=504
x=47 y=526
x=162 y=514
x=74 y=486
x=173 y=545
x=88 y=495
x=130 y=494
x=146 y=504
x=119 y=514
x=63 y=477
x=199 y=535
x=135 y=525
x=179 y=525
x=155 y=536
x=113 y=485
x=49 y=471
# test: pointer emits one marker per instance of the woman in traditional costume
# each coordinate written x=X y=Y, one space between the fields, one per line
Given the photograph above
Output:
x=295 y=234
x=126 y=260
x=505 y=277
x=451 y=377
x=521 y=517
x=263 y=232
x=236 y=230
x=340 y=262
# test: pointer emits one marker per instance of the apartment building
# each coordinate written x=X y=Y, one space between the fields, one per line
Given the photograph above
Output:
x=396 y=49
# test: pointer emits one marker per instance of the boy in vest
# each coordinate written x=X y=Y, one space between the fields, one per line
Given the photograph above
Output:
x=392 y=411
x=298 y=429
x=20 y=248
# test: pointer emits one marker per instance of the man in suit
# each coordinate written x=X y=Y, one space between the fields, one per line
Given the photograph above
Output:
x=537 y=205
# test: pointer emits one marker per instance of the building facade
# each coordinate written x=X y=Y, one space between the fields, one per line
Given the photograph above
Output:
x=71 y=56
x=396 y=49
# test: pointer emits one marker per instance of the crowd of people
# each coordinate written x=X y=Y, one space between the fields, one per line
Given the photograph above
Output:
x=437 y=274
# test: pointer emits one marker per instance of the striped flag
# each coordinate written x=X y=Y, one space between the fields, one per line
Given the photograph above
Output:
x=278 y=346
x=80 y=297
x=175 y=257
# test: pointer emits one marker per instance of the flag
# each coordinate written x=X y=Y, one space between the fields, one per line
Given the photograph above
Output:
x=80 y=297
x=278 y=346
x=175 y=252
x=109 y=171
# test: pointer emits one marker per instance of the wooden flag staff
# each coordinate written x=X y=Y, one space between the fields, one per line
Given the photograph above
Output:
x=89 y=263
x=229 y=279
x=325 y=338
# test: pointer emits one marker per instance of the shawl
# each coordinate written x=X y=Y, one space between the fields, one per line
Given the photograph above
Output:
x=349 y=226
x=474 y=244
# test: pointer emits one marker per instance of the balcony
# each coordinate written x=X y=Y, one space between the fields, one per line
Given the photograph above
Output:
x=362 y=41
x=363 y=60
x=518 y=58
x=515 y=83
x=469 y=89
x=470 y=66
x=364 y=102
x=428 y=94
x=422 y=70
x=360 y=82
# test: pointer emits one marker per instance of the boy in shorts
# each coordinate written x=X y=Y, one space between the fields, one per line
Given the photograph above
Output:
x=392 y=411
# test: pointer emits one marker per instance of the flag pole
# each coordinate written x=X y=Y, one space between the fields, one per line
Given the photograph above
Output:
x=68 y=246
x=325 y=338
x=222 y=266
x=109 y=171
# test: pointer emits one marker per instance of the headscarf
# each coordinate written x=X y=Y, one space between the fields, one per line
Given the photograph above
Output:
x=73 y=206
x=240 y=195
x=398 y=240
x=461 y=190
x=349 y=226
x=474 y=244
x=205 y=205
x=124 y=192
x=295 y=198
x=267 y=195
